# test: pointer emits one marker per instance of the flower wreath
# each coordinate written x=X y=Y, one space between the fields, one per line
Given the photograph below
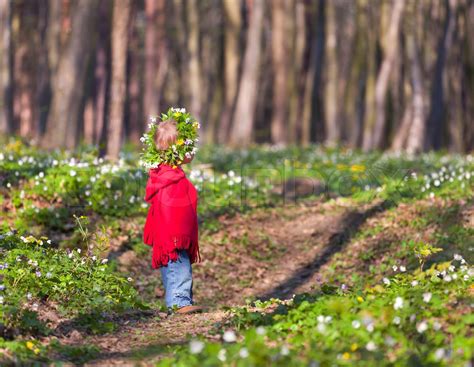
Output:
x=184 y=147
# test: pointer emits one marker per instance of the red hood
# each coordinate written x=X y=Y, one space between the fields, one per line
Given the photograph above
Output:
x=161 y=177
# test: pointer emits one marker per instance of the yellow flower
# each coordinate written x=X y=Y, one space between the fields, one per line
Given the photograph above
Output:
x=30 y=345
x=346 y=356
x=36 y=351
x=357 y=168
x=360 y=299
x=354 y=347
x=179 y=142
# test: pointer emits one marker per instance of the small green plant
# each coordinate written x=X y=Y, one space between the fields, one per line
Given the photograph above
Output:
x=97 y=242
x=423 y=251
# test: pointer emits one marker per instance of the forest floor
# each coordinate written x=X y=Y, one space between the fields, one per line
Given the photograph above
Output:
x=268 y=252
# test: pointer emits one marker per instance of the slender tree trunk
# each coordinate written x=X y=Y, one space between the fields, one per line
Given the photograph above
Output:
x=436 y=115
x=311 y=100
x=297 y=29
x=233 y=24
x=43 y=95
x=468 y=95
x=347 y=59
x=391 y=47
x=194 y=68
x=101 y=72
x=62 y=126
x=6 y=70
x=25 y=64
x=370 y=80
x=357 y=79
x=155 y=55
x=400 y=139
x=182 y=56
x=211 y=69
x=243 y=121
x=120 y=24
x=280 y=50
x=415 y=142
x=331 y=100
x=134 y=101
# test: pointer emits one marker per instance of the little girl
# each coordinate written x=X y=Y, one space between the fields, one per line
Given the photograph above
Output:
x=171 y=225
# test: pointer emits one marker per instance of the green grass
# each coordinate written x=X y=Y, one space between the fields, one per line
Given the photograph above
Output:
x=42 y=191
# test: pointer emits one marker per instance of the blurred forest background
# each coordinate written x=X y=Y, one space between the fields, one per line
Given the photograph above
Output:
x=369 y=74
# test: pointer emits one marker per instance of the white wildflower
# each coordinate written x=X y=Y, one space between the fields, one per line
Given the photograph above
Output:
x=356 y=324
x=229 y=336
x=403 y=268
x=458 y=257
x=222 y=355
x=427 y=297
x=386 y=281
x=284 y=351
x=196 y=346
x=439 y=354
x=72 y=173
x=244 y=353
x=422 y=327
x=371 y=346
x=398 y=303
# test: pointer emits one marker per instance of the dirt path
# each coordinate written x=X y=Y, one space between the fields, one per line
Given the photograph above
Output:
x=266 y=253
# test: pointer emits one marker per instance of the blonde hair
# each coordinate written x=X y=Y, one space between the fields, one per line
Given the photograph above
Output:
x=166 y=134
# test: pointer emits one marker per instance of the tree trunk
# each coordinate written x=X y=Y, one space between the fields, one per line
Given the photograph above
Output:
x=53 y=37
x=357 y=79
x=391 y=47
x=62 y=126
x=401 y=137
x=194 y=68
x=297 y=72
x=280 y=50
x=102 y=74
x=120 y=22
x=243 y=121
x=6 y=70
x=331 y=100
x=155 y=55
x=312 y=98
x=43 y=95
x=25 y=65
x=370 y=80
x=415 y=142
x=436 y=116
x=468 y=97
x=233 y=23
x=135 y=122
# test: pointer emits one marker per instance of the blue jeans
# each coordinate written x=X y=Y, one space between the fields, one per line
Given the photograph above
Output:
x=177 y=279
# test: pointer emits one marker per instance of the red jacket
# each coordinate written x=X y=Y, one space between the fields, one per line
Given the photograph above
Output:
x=171 y=223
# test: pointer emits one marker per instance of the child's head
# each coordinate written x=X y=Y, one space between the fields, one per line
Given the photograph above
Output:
x=166 y=134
